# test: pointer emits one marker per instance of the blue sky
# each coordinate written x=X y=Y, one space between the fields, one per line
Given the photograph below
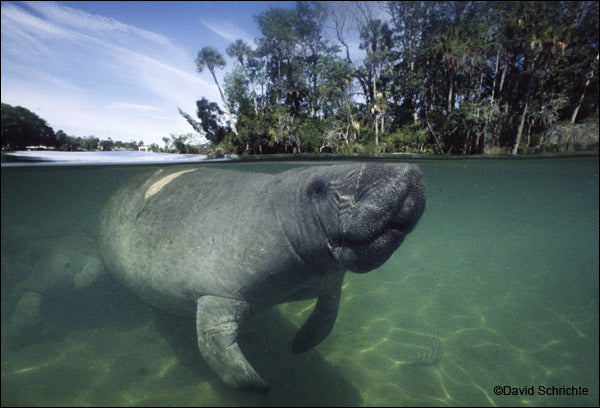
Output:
x=117 y=69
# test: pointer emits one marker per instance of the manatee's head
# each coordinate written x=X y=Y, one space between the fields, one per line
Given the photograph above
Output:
x=366 y=210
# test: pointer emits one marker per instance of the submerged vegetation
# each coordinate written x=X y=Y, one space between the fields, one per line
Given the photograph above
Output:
x=430 y=77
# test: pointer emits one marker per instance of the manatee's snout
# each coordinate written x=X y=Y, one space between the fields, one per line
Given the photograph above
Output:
x=378 y=207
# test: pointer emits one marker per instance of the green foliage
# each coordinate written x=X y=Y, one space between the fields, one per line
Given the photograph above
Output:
x=256 y=135
x=22 y=128
x=210 y=58
x=197 y=126
x=443 y=77
x=239 y=50
x=238 y=91
x=178 y=144
x=409 y=138
x=210 y=119
x=107 y=145
x=311 y=131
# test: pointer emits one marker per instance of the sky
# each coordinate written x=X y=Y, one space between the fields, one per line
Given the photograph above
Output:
x=118 y=69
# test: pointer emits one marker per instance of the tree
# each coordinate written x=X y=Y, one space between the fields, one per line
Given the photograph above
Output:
x=197 y=126
x=62 y=139
x=210 y=58
x=548 y=36
x=588 y=81
x=376 y=39
x=239 y=50
x=373 y=74
x=277 y=46
x=582 y=58
x=209 y=125
x=210 y=118
x=178 y=144
x=107 y=145
x=22 y=128
x=411 y=20
x=445 y=76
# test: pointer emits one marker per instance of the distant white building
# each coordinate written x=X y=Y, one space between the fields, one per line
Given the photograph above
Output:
x=143 y=148
x=40 y=147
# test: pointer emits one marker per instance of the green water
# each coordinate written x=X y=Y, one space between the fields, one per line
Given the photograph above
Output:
x=497 y=286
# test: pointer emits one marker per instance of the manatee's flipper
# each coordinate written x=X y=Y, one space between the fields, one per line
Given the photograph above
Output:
x=28 y=312
x=319 y=324
x=217 y=327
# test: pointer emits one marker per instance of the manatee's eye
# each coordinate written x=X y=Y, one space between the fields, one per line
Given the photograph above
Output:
x=317 y=189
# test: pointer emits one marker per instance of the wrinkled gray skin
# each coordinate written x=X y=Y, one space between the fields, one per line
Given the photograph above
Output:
x=227 y=244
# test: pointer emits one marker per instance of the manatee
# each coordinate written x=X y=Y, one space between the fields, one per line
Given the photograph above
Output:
x=46 y=261
x=226 y=244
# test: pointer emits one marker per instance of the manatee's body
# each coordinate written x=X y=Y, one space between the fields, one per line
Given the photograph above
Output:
x=225 y=244
x=46 y=261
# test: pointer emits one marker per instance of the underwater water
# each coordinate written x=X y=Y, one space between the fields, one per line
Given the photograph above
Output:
x=492 y=300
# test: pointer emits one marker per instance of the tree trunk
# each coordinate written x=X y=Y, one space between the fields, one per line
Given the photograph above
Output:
x=490 y=113
x=479 y=88
x=415 y=111
x=437 y=142
x=375 y=108
x=233 y=128
x=254 y=97
x=361 y=79
x=515 y=148
x=348 y=97
x=253 y=91
x=502 y=79
x=524 y=115
x=495 y=77
x=529 y=135
x=587 y=83
x=451 y=93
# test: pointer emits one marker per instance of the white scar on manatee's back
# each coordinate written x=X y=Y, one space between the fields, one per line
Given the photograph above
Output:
x=157 y=186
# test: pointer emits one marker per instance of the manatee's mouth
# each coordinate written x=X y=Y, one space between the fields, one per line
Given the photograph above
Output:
x=365 y=255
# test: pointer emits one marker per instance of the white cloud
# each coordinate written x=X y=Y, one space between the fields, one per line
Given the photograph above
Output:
x=229 y=31
x=134 y=106
x=80 y=20
x=88 y=74
x=79 y=115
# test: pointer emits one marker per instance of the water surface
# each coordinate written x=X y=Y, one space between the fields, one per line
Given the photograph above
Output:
x=496 y=286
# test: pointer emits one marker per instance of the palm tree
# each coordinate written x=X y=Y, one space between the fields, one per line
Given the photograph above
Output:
x=376 y=39
x=210 y=58
x=240 y=50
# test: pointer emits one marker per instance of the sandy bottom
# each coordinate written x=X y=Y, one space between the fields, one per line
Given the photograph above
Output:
x=399 y=340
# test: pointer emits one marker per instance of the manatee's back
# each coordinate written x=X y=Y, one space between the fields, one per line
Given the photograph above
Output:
x=118 y=229
x=165 y=234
